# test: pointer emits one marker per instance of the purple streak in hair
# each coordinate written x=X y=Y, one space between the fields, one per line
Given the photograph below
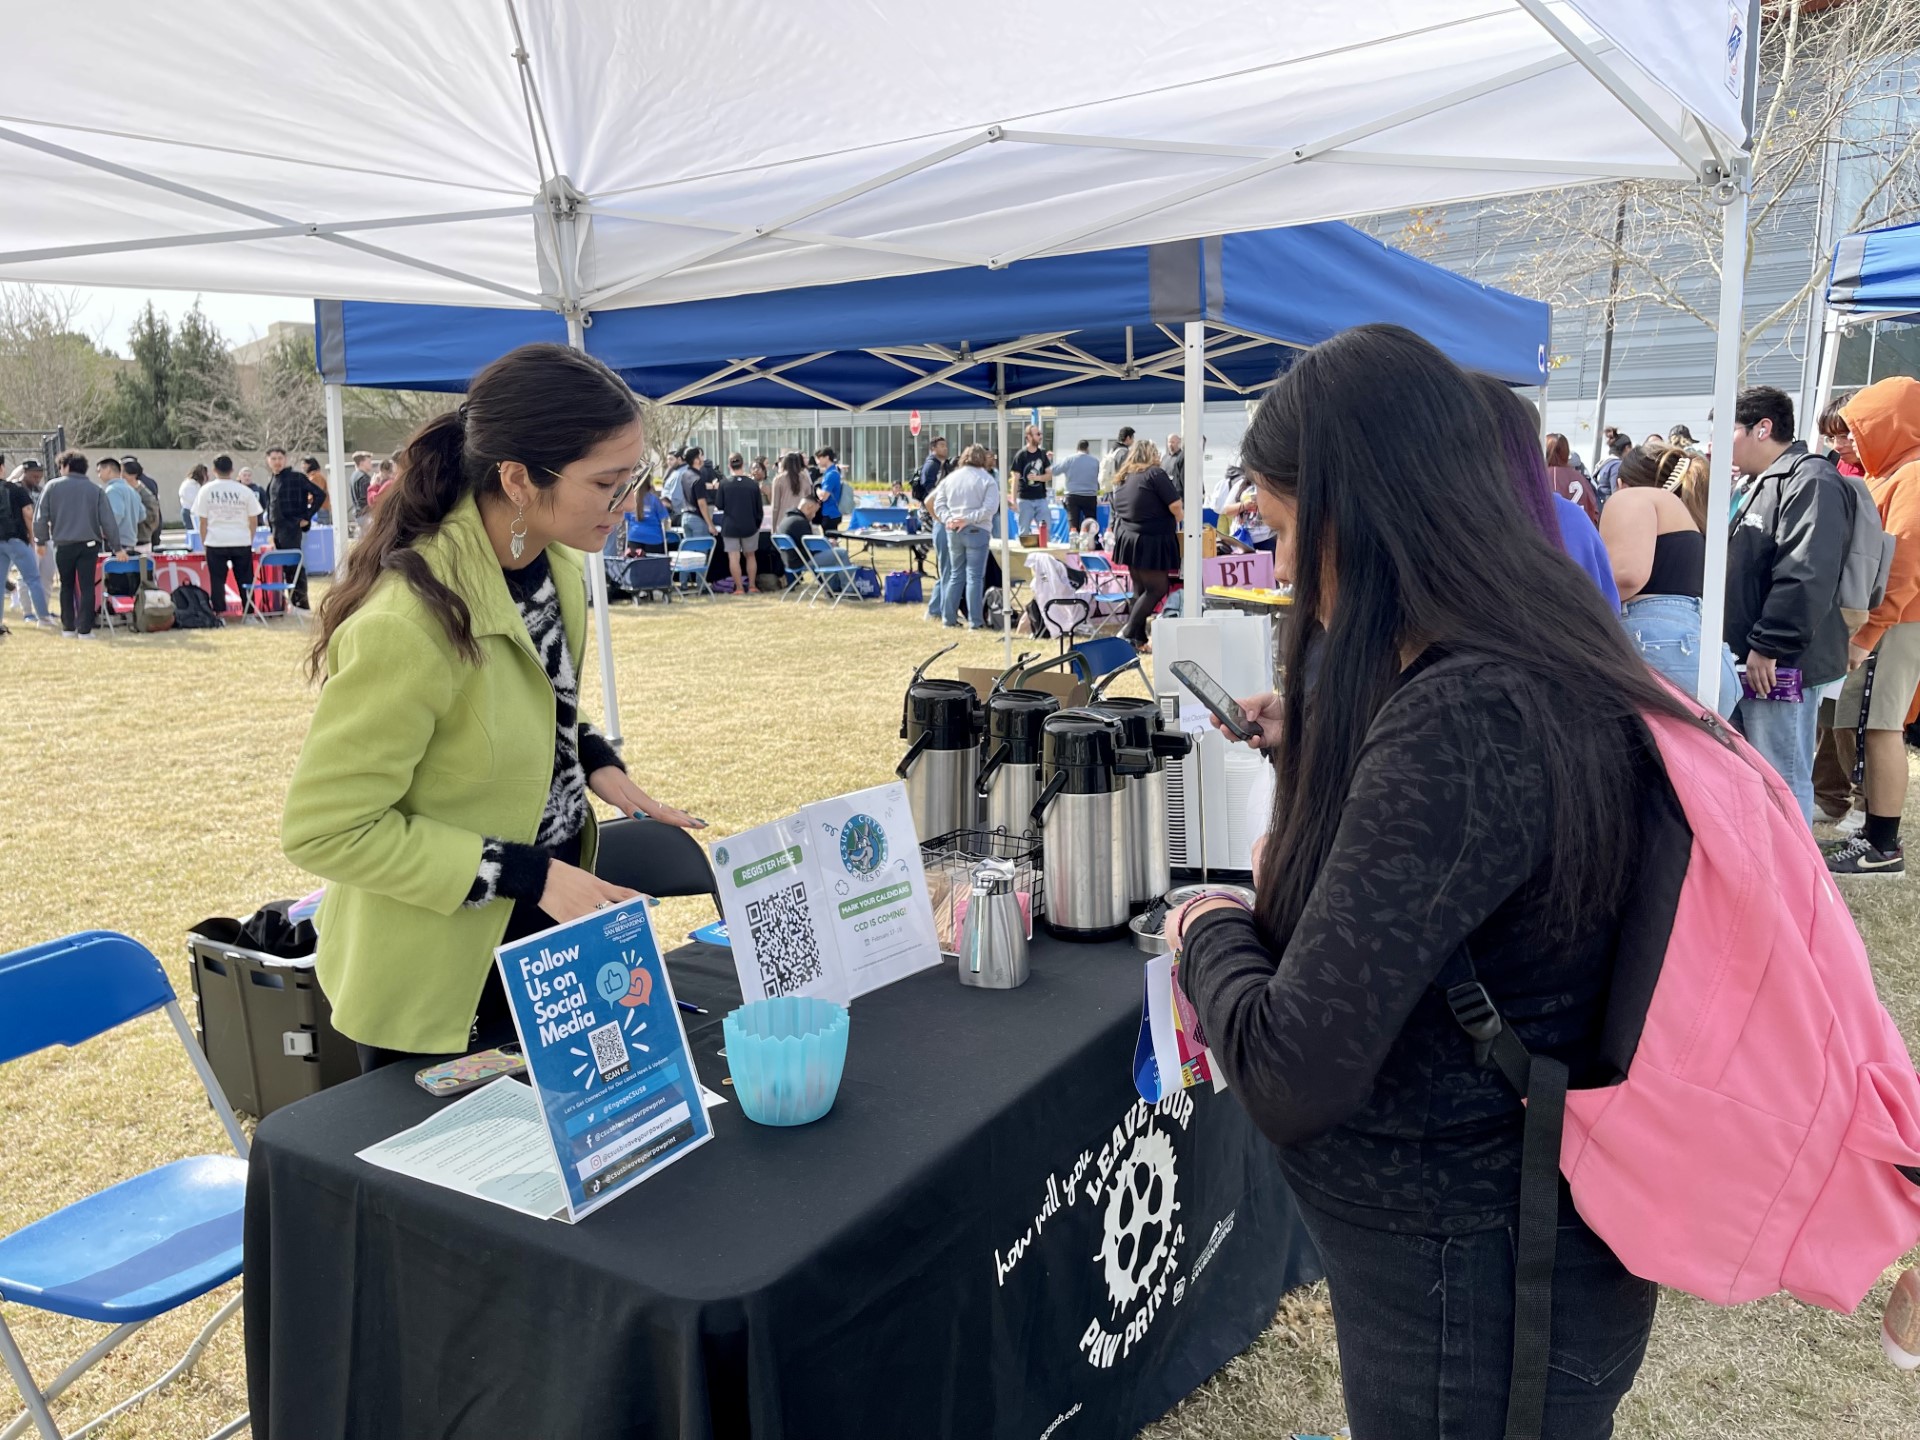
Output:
x=1526 y=462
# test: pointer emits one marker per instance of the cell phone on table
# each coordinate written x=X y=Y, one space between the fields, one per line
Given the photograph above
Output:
x=451 y=1077
x=1208 y=692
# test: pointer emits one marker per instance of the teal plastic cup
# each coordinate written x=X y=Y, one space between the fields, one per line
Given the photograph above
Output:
x=786 y=1057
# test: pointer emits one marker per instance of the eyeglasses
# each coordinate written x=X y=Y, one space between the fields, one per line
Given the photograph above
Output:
x=633 y=484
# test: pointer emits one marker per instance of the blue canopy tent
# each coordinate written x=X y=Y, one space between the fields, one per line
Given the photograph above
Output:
x=1875 y=277
x=1877 y=272
x=1148 y=324
x=1093 y=329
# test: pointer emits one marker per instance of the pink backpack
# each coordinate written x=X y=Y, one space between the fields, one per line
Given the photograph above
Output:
x=1766 y=1133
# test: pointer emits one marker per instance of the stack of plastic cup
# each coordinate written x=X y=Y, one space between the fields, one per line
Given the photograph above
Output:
x=786 y=1056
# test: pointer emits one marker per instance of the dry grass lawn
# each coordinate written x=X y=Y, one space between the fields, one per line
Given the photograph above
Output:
x=147 y=775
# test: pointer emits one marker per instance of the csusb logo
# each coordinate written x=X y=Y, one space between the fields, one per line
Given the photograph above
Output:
x=863 y=846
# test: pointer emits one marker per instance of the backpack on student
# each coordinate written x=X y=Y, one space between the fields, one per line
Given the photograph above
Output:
x=1760 y=1130
x=1863 y=576
x=193 y=609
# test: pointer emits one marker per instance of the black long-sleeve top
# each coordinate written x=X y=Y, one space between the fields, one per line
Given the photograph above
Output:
x=296 y=499
x=1342 y=1048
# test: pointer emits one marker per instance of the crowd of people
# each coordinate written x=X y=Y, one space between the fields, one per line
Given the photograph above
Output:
x=54 y=530
x=1819 y=665
x=1820 y=648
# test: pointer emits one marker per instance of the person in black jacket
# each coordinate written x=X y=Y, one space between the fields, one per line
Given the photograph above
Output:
x=933 y=470
x=1785 y=553
x=293 y=502
x=1460 y=786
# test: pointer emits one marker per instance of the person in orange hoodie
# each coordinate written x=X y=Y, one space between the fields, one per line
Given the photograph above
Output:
x=1884 y=421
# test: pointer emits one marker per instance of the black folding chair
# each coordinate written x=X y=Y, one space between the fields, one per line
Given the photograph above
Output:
x=655 y=859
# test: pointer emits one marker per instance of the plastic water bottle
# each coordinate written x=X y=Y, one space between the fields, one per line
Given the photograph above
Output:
x=1900 y=1323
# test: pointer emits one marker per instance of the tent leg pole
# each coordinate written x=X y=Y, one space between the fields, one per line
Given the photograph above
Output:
x=1193 y=446
x=1726 y=384
x=1006 y=522
x=340 y=496
x=1606 y=336
x=1829 y=355
x=597 y=591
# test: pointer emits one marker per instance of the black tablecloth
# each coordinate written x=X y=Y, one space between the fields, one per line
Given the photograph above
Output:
x=986 y=1234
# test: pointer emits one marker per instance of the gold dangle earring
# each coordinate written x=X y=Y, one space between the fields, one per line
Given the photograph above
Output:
x=517 y=545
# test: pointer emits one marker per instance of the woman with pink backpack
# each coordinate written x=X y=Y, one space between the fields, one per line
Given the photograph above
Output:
x=1506 y=859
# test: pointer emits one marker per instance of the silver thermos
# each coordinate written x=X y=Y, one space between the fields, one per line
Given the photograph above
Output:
x=993 y=937
x=1144 y=837
x=1010 y=775
x=1081 y=811
x=941 y=721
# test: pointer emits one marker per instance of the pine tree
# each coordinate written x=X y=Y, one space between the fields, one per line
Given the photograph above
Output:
x=138 y=414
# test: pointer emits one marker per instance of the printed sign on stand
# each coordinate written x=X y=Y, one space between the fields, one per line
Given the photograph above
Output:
x=830 y=902
x=606 y=1051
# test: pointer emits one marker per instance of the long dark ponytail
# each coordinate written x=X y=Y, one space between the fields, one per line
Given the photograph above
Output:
x=542 y=405
x=1386 y=447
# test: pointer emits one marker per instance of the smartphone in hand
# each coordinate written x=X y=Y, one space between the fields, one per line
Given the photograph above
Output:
x=1209 y=692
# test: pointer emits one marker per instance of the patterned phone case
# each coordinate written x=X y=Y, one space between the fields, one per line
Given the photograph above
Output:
x=450 y=1077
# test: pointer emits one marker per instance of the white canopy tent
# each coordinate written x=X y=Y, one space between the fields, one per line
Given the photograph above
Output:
x=581 y=155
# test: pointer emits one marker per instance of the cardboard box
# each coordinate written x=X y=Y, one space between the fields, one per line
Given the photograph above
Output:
x=1057 y=681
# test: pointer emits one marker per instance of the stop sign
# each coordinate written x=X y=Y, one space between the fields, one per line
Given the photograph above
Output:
x=913 y=423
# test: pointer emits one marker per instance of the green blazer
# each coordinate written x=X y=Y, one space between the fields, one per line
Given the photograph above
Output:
x=414 y=757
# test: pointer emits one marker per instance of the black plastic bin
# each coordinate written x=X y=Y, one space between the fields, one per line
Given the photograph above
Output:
x=266 y=1028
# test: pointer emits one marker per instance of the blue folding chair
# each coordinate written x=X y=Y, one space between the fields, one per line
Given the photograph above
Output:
x=121 y=607
x=291 y=564
x=147 y=1245
x=833 y=576
x=689 y=565
x=800 y=577
x=1090 y=659
x=1104 y=577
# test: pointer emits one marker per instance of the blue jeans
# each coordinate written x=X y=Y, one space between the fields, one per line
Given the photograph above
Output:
x=1784 y=732
x=693 y=527
x=1035 y=515
x=967 y=552
x=942 y=573
x=19 y=553
x=1425 y=1329
x=1666 y=631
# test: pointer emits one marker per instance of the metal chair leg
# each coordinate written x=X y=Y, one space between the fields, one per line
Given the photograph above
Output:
x=38 y=1400
x=29 y=1392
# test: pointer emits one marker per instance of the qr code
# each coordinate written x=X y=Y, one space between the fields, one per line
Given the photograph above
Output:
x=609 y=1050
x=784 y=941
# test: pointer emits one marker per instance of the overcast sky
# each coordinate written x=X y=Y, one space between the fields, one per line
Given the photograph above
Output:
x=109 y=314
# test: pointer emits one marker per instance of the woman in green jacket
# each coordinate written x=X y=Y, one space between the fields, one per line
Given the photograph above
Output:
x=442 y=790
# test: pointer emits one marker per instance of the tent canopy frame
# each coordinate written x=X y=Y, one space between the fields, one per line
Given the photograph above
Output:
x=564 y=216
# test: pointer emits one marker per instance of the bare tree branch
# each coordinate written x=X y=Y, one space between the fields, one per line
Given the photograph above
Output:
x=51 y=373
x=1834 y=82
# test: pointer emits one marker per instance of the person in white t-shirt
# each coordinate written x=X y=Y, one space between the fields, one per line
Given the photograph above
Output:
x=189 y=492
x=225 y=510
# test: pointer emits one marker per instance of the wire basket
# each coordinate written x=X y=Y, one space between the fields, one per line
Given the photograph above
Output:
x=949 y=860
